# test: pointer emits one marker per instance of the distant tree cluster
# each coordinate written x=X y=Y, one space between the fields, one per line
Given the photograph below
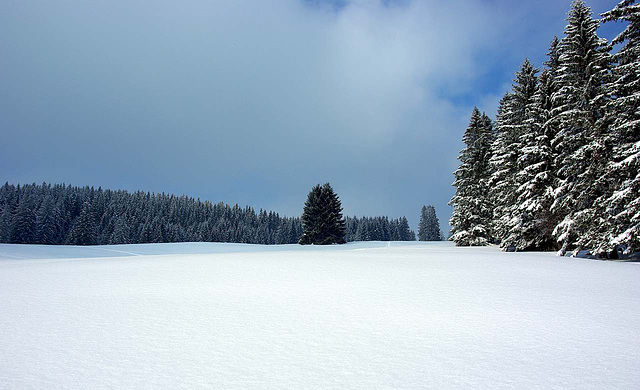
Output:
x=62 y=214
x=559 y=168
x=59 y=214
x=323 y=222
x=379 y=229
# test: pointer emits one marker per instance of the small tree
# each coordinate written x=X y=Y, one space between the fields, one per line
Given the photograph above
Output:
x=429 y=226
x=322 y=219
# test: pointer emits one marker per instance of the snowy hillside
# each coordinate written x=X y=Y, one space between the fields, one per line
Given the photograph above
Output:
x=361 y=315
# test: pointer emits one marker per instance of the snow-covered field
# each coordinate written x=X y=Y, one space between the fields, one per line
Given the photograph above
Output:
x=357 y=316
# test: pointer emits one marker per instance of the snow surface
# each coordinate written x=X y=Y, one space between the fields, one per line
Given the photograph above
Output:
x=357 y=316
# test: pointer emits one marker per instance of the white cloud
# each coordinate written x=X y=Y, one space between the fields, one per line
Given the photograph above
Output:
x=210 y=98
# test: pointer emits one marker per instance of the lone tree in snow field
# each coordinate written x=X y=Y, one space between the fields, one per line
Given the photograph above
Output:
x=322 y=219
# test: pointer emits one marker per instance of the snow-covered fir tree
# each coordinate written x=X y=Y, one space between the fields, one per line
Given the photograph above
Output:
x=24 y=229
x=579 y=143
x=48 y=222
x=429 y=226
x=471 y=217
x=534 y=221
x=621 y=218
x=565 y=164
x=84 y=231
x=510 y=127
x=121 y=231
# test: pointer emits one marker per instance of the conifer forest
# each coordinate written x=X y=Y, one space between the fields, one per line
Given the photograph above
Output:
x=62 y=214
x=558 y=168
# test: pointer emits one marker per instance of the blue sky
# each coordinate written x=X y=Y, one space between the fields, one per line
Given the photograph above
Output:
x=254 y=102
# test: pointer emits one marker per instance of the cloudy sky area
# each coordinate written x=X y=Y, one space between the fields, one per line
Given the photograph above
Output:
x=253 y=102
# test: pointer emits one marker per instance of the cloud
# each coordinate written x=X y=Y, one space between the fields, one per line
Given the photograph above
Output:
x=250 y=102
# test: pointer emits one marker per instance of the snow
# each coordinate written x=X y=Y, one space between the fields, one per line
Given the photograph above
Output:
x=358 y=316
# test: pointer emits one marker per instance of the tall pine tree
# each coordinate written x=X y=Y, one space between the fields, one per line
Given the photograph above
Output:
x=580 y=100
x=534 y=195
x=510 y=128
x=471 y=206
x=622 y=203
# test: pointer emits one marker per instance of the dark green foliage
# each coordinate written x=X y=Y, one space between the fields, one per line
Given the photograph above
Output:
x=23 y=228
x=429 y=226
x=48 y=222
x=322 y=219
x=121 y=232
x=378 y=229
x=59 y=214
x=84 y=231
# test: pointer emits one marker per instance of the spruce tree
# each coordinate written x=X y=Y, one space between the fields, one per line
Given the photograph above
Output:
x=471 y=216
x=534 y=221
x=579 y=143
x=24 y=229
x=10 y=203
x=84 y=231
x=406 y=234
x=47 y=222
x=121 y=231
x=621 y=220
x=510 y=129
x=429 y=226
x=322 y=217
x=6 y=224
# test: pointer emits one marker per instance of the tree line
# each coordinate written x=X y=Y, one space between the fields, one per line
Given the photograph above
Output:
x=558 y=169
x=323 y=223
x=62 y=214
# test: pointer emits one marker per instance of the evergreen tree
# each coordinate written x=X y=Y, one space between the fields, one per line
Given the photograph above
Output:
x=510 y=128
x=9 y=204
x=84 y=231
x=471 y=217
x=156 y=231
x=322 y=217
x=429 y=226
x=406 y=234
x=6 y=224
x=621 y=220
x=47 y=222
x=123 y=218
x=534 y=195
x=121 y=231
x=362 y=232
x=283 y=232
x=579 y=143
x=24 y=223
